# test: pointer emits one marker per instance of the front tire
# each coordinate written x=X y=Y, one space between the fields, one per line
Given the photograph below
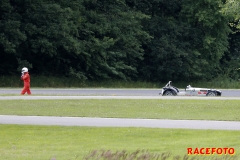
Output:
x=168 y=93
x=211 y=94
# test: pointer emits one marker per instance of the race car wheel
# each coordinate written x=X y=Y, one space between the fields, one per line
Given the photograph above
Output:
x=211 y=94
x=168 y=93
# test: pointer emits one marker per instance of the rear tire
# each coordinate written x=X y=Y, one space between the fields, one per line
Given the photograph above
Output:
x=211 y=94
x=168 y=93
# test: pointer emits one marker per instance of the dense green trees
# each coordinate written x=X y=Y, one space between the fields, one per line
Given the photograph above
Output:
x=153 y=40
x=190 y=38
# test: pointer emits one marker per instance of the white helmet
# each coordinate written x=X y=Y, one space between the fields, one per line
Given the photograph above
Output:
x=24 y=69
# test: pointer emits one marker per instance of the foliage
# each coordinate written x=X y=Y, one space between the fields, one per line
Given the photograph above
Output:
x=168 y=53
x=231 y=9
x=11 y=36
x=151 y=40
x=113 y=37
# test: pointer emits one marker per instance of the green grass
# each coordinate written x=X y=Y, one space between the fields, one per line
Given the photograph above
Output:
x=25 y=142
x=64 y=82
x=19 y=142
x=156 y=109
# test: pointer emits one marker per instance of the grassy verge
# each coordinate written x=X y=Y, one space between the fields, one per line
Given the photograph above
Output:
x=63 y=82
x=61 y=143
x=157 y=109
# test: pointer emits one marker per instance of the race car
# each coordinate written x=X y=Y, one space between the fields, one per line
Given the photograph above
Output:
x=170 y=90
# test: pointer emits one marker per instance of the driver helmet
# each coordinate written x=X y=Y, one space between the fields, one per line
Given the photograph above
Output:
x=24 y=69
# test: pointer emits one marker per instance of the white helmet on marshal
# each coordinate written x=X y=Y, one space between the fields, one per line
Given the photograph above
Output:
x=24 y=69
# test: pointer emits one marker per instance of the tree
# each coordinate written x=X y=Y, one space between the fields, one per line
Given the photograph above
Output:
x=231 y=59
x=231 y=9
x=190 y=38
x=112 y=35
x=51 y=33
x=167 y=55
x=11 y=36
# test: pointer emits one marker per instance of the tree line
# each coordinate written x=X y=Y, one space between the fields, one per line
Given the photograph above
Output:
x=150 y=40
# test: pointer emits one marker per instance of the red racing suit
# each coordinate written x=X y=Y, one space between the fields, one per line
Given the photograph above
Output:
x=26 y=79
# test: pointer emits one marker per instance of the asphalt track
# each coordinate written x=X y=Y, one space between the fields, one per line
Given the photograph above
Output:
x=113 y=122
x=119 y=122
x=26 y=97
x=104 y=92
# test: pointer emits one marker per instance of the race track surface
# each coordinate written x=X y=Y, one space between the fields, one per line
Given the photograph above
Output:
x=103 y=92
x=119 y=122
x=27 y=97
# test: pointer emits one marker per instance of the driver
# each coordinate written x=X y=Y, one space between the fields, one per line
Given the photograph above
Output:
x=26 y=78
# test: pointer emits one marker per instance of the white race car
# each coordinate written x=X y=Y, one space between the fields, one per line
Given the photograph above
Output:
x=170 y=90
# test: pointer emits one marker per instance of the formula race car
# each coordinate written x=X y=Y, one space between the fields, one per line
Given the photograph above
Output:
x=170 y=90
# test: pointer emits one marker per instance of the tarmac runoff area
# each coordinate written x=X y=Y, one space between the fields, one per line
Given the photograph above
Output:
x=117 y=122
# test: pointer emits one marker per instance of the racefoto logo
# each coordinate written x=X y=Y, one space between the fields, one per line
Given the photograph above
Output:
x=210 y=151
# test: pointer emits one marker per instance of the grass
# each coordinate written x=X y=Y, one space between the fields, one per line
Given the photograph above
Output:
x=26 y=142
x=20 y=142
x=64 y=82
x=146 y=155
x=130 y=108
